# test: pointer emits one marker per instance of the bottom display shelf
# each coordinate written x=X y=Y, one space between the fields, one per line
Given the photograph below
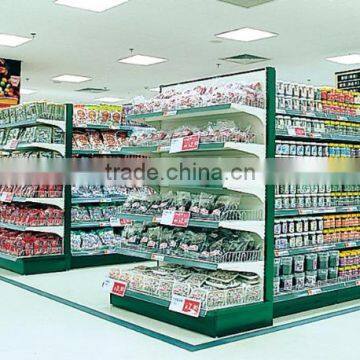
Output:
x=82 y=261
x=214 y=323
x=34 y=265
x=316 y=298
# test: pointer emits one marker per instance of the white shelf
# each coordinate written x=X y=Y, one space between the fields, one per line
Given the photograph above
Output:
x=58 y=123
x=252 y=149
x=256 y=227
x=205 y=112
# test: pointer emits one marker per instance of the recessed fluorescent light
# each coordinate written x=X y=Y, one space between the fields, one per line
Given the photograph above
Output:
x=92 y=5
x=109 y=99
x=26 y=91
x=157 y=89
x=346 y=59
x=142 y=60
x=71 y=78
x=12 y=40
x=246 y=34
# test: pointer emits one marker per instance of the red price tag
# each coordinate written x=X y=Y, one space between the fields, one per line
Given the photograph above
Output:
x=119 y=288
x=125 y=221
x=296 y=131
x=190 y=143
x=175 y=218
x=185 y=306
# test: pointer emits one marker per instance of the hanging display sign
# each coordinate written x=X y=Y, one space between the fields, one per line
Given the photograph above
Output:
x=348 y=80
x=9 y=82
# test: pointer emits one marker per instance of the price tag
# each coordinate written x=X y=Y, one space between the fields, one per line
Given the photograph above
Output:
x=185 y=306
x=169 y=113
x=306 y=211
x=358 y=283
x=103 y=224
x=104 y=152
x=187 y=143
x=314 y=291
x=351 y=244
x=107 y=285
x=6 y=197
x=11 y=145
x=105 y=200
x=175 y=218
x=157 y=257
x=296 y=131
x=119 y=288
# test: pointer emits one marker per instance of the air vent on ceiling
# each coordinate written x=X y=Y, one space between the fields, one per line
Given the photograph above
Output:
x=245 y=59
x=93 y=90
x=247 y=3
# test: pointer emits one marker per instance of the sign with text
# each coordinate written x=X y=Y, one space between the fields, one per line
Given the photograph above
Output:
x=187 y=143
x=175 y=218
x=348 y=80
x=296 y=131
x=185 y=306
x=6 y=197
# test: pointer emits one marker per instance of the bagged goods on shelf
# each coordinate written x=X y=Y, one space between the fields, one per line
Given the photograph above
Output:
x=97 y=140
x=94 y=240
x=200 y=96
x=212 y=288
x=18 y=244
x=99 y=191
x=27 y=215
x=109 y=115
x=221 y=245
x=32 y=111
x=33 y=191
x=203 y=206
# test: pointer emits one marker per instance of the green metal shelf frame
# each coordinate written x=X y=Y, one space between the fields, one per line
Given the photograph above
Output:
x=319 y=115
x=317 y=211
x=238 y=318
x=324 y=247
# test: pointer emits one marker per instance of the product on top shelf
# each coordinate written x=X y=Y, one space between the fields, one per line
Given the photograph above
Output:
x=33 y=191
x=99 y=191
x=30 y=215
x=31 y=111
x=220 y=245
x=108 y=115
x=215 y=289
x=196 y=95
x=18 y=244
x=310 y=99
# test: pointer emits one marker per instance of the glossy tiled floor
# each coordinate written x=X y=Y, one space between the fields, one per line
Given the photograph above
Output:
x=35 y=327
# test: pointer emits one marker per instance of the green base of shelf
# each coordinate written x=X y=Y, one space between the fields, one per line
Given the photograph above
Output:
x=216 y=323
x=77 y=262
x=293 y=306
x=36 y=265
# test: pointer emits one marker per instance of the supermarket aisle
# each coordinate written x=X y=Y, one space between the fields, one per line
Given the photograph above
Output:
x=33 y=327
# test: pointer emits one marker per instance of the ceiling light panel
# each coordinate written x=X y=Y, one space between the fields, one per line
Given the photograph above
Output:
x=92 y=5
x=71 y=78
x=26 y=91
x=144 y=60
x=12 y=40
x=351 y=59
x=246 y=34
x=109 y=99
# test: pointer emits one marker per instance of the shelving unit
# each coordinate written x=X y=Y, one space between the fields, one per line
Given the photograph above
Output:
x=333 y=291
x=231 y=319
x=35 y=264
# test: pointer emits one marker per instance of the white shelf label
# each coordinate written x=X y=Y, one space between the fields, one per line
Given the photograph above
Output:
x=314 y=291
x=157 y=257
x=185 y=306
x=11 y=144
x=6 y=197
